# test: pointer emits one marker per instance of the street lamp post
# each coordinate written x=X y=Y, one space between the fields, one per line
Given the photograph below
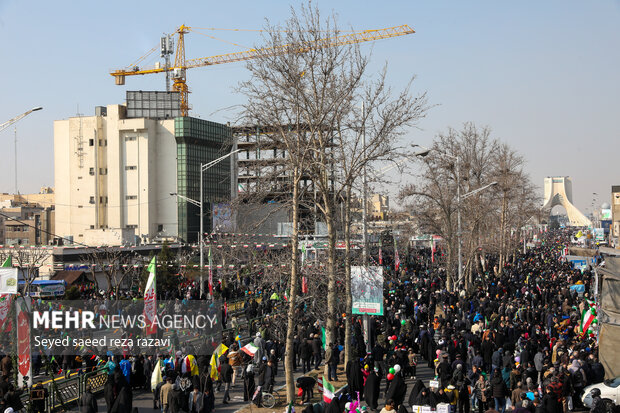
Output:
x=200 y=204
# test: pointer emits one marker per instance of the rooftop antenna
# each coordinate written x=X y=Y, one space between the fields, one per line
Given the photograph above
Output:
x=166 y=49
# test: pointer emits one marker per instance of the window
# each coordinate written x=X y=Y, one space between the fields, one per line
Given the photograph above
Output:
x=92 y=200
x=160 y=227
x=91 y=171
x=130 y=138
x=103 y=171
x=131 y=197
x=91 y=142
x=79 y=177
x=92 y=227
x=131 y=168
x=80 y=206
x=132 y=226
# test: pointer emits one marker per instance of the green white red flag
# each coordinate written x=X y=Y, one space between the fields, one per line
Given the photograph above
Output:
x=328 y=391
x=587 y=318
x=150 y=298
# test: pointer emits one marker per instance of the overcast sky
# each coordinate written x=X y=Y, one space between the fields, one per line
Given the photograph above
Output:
x=543 y=75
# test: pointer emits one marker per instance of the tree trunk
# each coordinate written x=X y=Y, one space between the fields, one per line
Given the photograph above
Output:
x=332 y=291
x=347 y=277
x=290 y=319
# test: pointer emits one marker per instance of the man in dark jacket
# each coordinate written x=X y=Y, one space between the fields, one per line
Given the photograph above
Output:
x=226 y=372
x=332 y=361
x=316 y=351
x=305 y=352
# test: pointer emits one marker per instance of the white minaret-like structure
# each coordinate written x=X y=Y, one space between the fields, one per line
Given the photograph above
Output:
x=559 y=191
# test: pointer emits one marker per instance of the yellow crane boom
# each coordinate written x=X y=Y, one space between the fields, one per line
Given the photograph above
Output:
x=180 y=64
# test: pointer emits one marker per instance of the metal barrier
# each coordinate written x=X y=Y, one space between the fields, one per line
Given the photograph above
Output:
x=63 y=392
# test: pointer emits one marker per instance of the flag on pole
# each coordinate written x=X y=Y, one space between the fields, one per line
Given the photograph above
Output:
x=396 y=257
x=249 y=349
x=215 y=360
x=328 y=391
x=587 y=318
x=8 y=263
x=304 y=253
x=380 y=253
x=24 y=363
x=156 y=377
x=433 y=249
x=304 y=285
x=210 y=272
x=150 y=298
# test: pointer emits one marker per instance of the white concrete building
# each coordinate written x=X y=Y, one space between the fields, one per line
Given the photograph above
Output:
x=113 y=177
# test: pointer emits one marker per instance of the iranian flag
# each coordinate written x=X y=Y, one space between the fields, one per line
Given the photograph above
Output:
x=380 y=253
x=304 y=285
x=587 y=318
x=328 y=391
x=150 y=298
x=249 y=349
x=396 y=257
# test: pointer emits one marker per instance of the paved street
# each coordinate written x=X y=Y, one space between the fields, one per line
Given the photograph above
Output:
x=144 y=400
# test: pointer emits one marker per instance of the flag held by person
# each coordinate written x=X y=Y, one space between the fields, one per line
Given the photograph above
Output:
x=156 y=376
x=215 y=361
x=328 y=391
x=249 y=349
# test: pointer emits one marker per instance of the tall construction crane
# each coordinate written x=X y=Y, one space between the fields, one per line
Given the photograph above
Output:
x=9 y=122
x=178 y=70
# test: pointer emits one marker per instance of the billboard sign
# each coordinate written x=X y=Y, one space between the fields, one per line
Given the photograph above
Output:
x=606 y=213
x=8 y=280
x=367 y=290
x=599 y=234
x=224 y=218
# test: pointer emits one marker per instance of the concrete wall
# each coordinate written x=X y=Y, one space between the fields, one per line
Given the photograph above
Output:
x=115 y=174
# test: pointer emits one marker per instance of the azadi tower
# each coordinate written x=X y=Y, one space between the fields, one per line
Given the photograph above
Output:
x=559 y=191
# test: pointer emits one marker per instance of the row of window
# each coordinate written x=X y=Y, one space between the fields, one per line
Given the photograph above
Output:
x=102 y=142
x=102 y=171
x=102 y=200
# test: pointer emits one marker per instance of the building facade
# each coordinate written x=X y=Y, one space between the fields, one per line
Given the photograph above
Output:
x=26 y=224
x=114 y=174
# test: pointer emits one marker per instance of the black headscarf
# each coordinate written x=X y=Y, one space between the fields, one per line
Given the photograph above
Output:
x=415 y=391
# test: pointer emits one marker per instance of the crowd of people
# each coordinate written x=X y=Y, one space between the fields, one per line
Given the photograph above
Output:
x=513 y=342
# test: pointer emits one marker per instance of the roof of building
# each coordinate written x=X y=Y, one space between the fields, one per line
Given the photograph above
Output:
x=69 y=276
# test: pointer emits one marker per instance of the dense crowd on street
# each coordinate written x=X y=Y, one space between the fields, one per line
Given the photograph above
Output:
x=512 y=342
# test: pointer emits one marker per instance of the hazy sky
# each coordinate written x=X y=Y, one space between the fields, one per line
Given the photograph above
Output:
x=544 y=75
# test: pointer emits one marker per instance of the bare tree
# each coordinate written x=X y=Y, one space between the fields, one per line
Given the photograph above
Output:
x=29 y=261
x=484 y=215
